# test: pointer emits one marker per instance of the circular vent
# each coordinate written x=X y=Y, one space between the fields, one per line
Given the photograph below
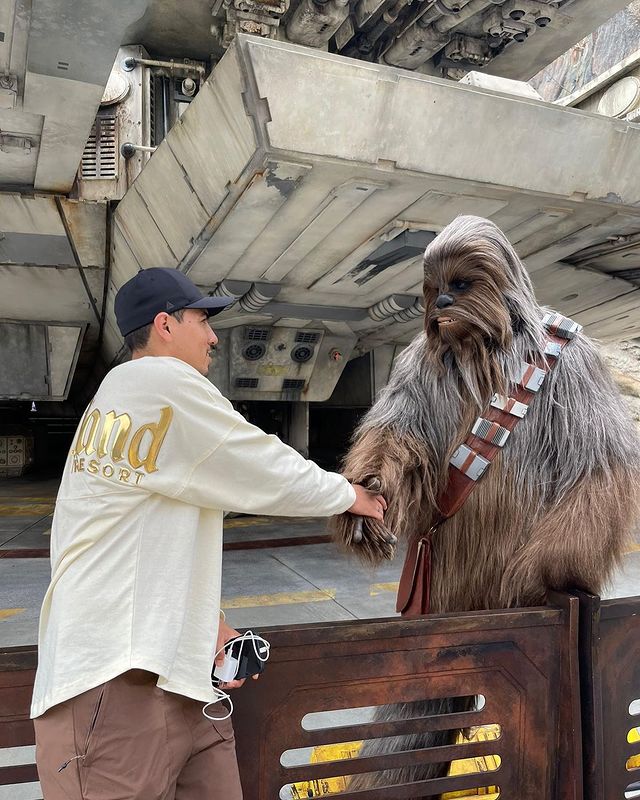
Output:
x=302 y=353
x=254 y=351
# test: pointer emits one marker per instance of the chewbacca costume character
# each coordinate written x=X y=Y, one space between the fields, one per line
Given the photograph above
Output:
x=554 y=507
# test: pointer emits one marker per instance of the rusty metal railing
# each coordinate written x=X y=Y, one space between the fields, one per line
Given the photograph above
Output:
x=610 y=670
x=522 y=662
x=519 y=661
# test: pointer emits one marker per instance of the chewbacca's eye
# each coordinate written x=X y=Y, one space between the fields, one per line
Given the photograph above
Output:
x=460 y=286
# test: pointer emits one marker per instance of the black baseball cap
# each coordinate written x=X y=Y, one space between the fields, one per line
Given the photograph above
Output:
x=160 y=289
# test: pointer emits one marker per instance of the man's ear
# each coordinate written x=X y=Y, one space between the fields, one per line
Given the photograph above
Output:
x=162 y=326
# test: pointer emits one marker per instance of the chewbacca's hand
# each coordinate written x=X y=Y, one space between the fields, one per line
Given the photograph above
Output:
x=365 y=536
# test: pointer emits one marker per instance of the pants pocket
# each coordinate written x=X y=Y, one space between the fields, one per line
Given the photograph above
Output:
x=94 y=723
x=128 y=753
x=224 y=727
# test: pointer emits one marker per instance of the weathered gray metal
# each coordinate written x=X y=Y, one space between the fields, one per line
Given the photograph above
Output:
x=273 y=190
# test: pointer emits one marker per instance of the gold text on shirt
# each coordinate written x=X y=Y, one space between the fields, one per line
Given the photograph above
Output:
x=108 y=434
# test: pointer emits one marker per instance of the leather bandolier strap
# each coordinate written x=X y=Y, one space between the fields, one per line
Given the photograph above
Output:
x=489 y=434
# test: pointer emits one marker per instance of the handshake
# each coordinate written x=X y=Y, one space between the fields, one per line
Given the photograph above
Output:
x=362 y=526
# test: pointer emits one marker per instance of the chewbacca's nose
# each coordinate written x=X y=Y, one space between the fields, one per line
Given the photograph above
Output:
x=444 y=300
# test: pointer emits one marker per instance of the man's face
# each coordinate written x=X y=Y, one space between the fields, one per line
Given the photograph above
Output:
x=192 y=339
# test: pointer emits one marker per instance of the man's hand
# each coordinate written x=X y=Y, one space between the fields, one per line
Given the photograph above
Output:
x=368 y=504
x=225 y=634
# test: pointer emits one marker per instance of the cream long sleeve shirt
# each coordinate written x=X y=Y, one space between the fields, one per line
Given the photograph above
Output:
x=136 y=540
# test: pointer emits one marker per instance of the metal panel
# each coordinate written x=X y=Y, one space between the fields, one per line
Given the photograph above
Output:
x=31 y=248
x=516 y=660
x=141 y=233
x=425 y=124
x=64 y=345
x=610 y=674
x=615 y=319
x=36 y=215
x=68 y=66
x=572 y=291
x=332 y=210
x=181 y=220
x=260 y=201
x=87 y=225
x=215 y=138
x=45 y=294
x=24 y=366
x=19 y=146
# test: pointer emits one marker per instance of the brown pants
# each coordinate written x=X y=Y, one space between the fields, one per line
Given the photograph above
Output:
x=135 y=742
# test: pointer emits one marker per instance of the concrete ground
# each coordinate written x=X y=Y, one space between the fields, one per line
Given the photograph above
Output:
x=286 y=576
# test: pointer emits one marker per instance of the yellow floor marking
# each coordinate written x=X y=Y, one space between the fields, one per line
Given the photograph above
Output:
x=246 y=523
x=38 y=509
x=284 y=598
x=377 y=588
x=634 y=548
x=5 y=613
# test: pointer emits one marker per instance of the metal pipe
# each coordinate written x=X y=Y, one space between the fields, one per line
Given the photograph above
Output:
x=131 y=62
x=258 y=296
x=427 y=15
x=129 y=149
x=409 y=314
x=367 y=40
x=389 y=306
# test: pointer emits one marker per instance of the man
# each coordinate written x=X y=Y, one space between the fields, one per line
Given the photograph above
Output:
x=130 y=622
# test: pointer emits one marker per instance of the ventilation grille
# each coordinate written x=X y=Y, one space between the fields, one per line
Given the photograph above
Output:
x=289 y=384
x=246 y=383
x=308 y=337
x=153 y=136
x=100 y=156
x=257 y=334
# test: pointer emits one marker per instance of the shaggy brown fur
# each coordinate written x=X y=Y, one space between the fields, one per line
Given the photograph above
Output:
x=555 y=507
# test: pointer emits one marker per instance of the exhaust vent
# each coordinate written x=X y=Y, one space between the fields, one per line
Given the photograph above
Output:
x=254 y=351
x=246 y=383
x=100 y=156
x=308 y=337
x=302 y=353
x=256 y=334
x=293 y=384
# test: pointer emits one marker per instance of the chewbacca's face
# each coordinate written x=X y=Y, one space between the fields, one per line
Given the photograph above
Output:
x=464 y=302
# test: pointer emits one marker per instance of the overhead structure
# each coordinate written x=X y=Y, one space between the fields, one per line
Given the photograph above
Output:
x=512 y=38
x=327 y=223
x=56 y=58
x=52 y=274
x=308 y=200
